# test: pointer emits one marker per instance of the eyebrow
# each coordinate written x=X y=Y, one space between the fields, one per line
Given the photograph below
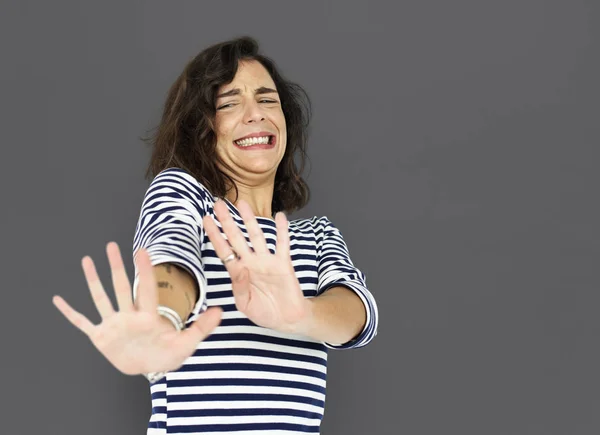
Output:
x=237 y=91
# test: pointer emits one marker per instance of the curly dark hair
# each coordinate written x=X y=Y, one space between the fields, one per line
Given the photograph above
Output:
x=186 y=137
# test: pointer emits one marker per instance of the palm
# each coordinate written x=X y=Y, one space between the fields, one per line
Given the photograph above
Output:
x=265 y=286
x=135 y=339
x=137 y=342
x=271 y=294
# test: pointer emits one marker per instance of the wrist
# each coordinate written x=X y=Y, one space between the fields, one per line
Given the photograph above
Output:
x=168 y=320
x=171 y=316
x=305 y=324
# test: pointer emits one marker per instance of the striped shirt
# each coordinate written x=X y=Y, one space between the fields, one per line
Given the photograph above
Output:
x=243 y=379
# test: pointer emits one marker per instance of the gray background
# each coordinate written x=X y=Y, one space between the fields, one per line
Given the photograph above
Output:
x=453 y=143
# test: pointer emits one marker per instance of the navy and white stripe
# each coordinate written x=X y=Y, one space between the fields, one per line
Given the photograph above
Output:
x=243 y=379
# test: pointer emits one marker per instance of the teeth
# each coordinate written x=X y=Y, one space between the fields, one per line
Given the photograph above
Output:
x=253 y=141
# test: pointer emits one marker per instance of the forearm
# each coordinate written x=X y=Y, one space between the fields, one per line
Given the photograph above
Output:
x=336 y=316
x=176 y=289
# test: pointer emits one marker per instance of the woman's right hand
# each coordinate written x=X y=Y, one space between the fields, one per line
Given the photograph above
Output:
x=136 y=339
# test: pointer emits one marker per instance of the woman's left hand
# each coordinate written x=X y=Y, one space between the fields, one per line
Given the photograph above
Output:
x=265 y=286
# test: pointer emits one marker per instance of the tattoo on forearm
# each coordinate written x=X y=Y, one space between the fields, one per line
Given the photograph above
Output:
x=165 y=284
x=170 y=266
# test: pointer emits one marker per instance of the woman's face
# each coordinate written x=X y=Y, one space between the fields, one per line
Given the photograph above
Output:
x=250 y=125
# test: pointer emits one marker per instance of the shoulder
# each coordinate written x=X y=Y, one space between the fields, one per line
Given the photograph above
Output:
x=317 y=225
x=176 y=187
x=182 y=182
x=177 y=177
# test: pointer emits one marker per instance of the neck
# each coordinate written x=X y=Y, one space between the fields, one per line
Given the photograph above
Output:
x=259 y=198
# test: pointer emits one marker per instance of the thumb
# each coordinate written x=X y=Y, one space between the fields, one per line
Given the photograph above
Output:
x=202 y=327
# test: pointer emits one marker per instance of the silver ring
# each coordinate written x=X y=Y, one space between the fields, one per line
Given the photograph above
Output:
x=230 y=257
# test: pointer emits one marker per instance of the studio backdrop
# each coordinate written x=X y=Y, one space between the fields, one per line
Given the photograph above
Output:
x=454 y=144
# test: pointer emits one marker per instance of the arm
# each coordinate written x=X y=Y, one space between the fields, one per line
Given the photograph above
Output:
x=344 y=310
x=169 y=228
x=177 y=289
x=337 y=316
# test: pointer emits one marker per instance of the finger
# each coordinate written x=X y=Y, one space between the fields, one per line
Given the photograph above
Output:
x=234 y=234
x=185 y=344
x=222 y=247
x=77 y=319
x=255 y=233
x=120 y=279
x=99 y=296
x=147 y=293
x=283 y=237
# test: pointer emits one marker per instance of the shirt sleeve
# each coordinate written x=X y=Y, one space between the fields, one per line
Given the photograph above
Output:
x=170 y=228
x=336 y=269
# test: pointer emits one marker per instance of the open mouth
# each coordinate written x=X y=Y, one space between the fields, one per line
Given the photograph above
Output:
x=256 y=142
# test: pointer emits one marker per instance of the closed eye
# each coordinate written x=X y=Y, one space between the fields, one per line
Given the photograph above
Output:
x=264 y=100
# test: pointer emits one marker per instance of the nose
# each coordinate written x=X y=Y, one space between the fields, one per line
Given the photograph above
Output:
x=254 y=112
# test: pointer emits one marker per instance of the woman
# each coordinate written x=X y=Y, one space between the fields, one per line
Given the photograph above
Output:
x=258 y=299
